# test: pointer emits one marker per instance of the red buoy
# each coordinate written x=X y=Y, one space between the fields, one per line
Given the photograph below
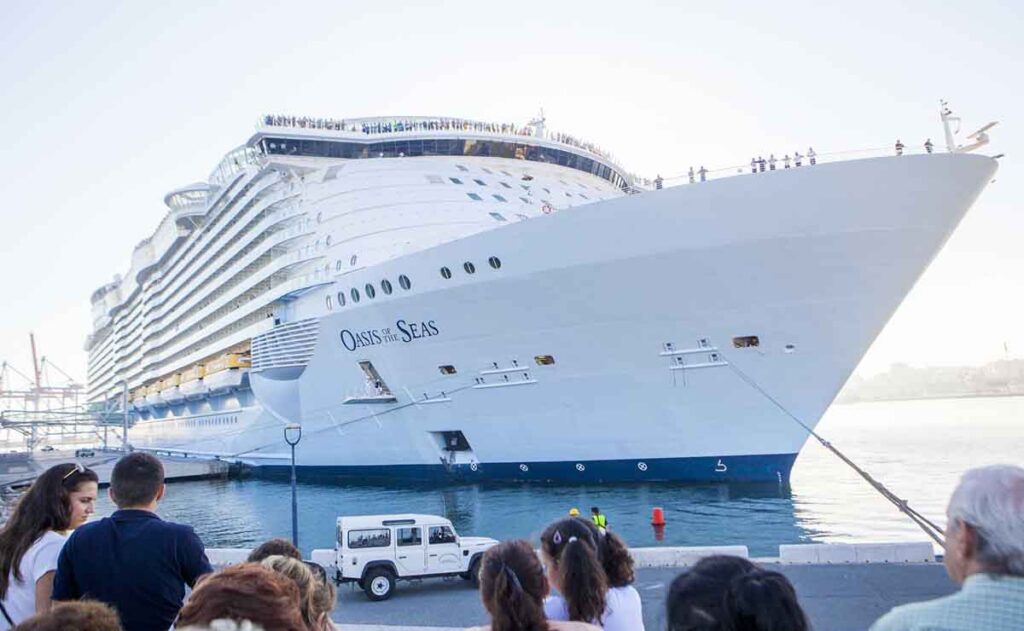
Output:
x=657 y=517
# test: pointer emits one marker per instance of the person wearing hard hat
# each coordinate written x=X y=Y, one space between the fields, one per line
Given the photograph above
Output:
x=574 y=512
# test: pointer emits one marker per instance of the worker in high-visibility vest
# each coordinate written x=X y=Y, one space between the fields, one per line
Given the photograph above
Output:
x=598 y=518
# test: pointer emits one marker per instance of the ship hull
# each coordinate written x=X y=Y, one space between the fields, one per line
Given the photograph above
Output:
x=640 y=303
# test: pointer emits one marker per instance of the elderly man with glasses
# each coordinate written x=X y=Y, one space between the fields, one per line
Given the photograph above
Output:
x=984 y=554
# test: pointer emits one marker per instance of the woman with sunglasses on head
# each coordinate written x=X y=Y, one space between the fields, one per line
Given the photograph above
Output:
x=60 y=500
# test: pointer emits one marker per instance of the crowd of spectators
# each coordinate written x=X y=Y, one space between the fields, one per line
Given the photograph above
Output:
x=380 y=126
x=129 y=571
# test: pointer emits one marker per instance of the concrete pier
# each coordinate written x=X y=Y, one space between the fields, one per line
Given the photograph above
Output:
x=21 y=472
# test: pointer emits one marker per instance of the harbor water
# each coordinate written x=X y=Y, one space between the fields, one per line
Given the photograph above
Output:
x=917 y=448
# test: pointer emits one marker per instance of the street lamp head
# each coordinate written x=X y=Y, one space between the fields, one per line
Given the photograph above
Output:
x=292 y=433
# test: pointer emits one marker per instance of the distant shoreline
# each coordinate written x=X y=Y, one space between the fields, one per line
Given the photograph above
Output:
x=971 y=395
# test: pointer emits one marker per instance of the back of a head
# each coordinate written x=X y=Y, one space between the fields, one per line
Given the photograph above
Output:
x=303 y=577
x=991 y=500
x=271 y=547
x=513 y=587
x=223 y=625
x=697 y=598
x=574 y=545
x=247 y=591
x=764 y=601
x=136 y=480
x=79 y=615
x=614 y=556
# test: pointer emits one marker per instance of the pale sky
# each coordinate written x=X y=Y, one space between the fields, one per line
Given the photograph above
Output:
x=104 y=107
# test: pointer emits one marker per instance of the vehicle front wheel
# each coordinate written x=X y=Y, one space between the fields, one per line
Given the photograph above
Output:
x=379 y=584
x=474 y=572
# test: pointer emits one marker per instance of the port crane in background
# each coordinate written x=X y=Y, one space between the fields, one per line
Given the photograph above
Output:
x=47 y=407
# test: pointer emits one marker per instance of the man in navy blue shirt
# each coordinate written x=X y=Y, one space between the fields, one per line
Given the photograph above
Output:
x=133 y=560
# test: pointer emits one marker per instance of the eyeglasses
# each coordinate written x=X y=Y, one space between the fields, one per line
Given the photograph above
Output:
x=79 y=468
x=318 y=571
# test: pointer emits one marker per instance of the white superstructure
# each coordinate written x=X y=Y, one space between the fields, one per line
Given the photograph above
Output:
x=435 y=298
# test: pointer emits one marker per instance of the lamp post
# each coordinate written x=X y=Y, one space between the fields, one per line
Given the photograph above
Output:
x=292 y=436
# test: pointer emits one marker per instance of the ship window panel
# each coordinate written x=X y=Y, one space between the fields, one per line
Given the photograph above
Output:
x=498 y=217
x=494 y=262
x=341 y=299
x=583 y=196
x=385 y=286
x=746 y=341
x=446 y=273
x=474 y=197
x=486 y=170
x=505 y=184
x=329 y=305
x=355 y=294
x=469 y=267
x=404 y=282
x=526 y=200
x=499 y=198
x=455 y=180
x=506 y=173
x=480 y=182
x=447 y=369
x=352 y=261
x=461 y=167
x=370 y=291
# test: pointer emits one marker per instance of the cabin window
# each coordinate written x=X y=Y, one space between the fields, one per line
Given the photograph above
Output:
x=355 y=294
x=341 y=299
x=446 y=273
x=370 y=291
x=526 y=200
x=375 y=538
x=352 y=261
x=337 y=265
x=386 y=286
x=329 y=306
x=499 y=198
x=544 y=360
x=455 y=180
x=447 y=369
x=404 y=281
x=746 y=341
x=327 y=241
x=495 y=262
x=474 y=197
x=469 y=267
x=506 y=184
x=498 y=217
x=480 y=182
x=486 y=170
x=408 y=537
x=461 y=168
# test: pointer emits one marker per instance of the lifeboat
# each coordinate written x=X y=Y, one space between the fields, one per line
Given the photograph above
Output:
x=192 y=385
x=169 y=390
x=153 y=395
x=227 y=373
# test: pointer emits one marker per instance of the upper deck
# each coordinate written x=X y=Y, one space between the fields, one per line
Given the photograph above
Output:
x=430 y=136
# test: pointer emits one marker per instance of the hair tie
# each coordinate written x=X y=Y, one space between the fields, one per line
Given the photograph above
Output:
x=557 y=538
x=571 y=539
x=511 y=573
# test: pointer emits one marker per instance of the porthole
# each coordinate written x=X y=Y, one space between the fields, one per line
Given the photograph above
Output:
x=370 y=291
x=337 y=265
x=329 y=306
x=319 y=217
x=446 y=273
x=469 y=267
x=341 y=299
x=404 y=281
x=352 y=261
x=386 y=286
x=495 y=262
x=355 y=294
x=327 y=241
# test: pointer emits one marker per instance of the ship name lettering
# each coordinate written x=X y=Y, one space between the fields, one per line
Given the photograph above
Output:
x=406 y=332
x=415 y=330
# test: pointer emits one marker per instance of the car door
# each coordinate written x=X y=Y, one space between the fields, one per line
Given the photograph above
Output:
x=412 y=555
x=442 y=550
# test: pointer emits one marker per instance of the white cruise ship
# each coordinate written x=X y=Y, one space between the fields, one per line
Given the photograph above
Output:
x=434 y=298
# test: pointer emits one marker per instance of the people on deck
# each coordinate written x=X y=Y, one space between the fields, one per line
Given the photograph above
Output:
x=928 y=146
x=61 y=499
x=984 y=554
x=576 y=553
x=133 y=560
x=513 y=587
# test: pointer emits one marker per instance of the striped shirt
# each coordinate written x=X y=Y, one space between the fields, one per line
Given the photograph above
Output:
x=985 y=602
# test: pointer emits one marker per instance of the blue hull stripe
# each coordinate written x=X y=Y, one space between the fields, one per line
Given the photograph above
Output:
x=760 y=468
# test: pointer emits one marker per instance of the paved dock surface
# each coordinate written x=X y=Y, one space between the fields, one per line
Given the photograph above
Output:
x=836 y=597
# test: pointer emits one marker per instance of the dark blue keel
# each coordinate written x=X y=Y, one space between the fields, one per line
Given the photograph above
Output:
x=760 y=468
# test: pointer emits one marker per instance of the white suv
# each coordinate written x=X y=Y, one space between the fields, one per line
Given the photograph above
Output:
x=377 y=550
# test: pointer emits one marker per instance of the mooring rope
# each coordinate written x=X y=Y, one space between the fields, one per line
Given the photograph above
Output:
x=929 y=527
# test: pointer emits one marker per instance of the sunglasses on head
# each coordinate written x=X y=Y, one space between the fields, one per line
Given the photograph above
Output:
x=318 y=571
x=79 y=468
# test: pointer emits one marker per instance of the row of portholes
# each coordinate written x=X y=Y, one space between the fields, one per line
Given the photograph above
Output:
x=370 y=291
x=469 y=268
